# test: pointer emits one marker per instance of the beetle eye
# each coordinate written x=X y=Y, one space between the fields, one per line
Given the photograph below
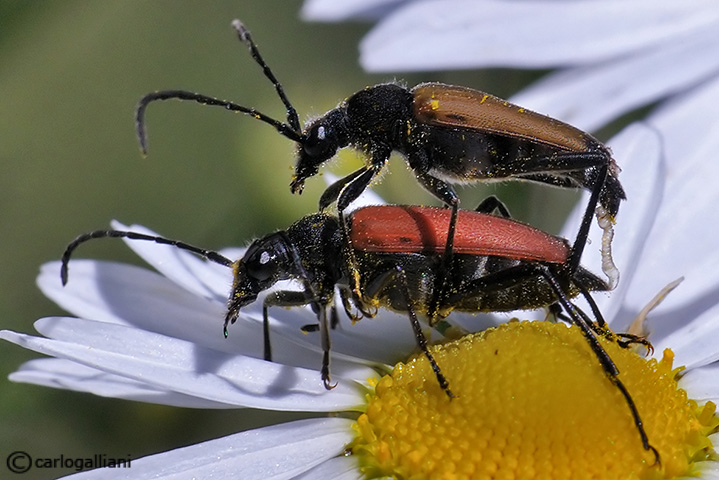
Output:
x=317 y=144
x=262 y=266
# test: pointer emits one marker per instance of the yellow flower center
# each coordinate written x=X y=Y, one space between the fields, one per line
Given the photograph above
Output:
x=532 y=402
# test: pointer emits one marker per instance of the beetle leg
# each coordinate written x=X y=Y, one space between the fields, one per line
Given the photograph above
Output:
x=626 y=340
x=349 y=306
x=581 y=241
x=325 y=342
x=354 y=188
x=554 y=313
x=292 y=298
x=329 y=196
x=492 y=204
x=601 y=324
x=541 y=168
x=350 y=303
x=282 y=298
x=565 y=162
x=349 y=194
x=525 y=272
x=315 y=327
x=600 y=327
x=610 y=368
x=438 y=188
x=380 y=280
x=557 y=311
x=334 y=317
x=446 y=194
x=400 y=276
x=580 y=320
x=310 y=328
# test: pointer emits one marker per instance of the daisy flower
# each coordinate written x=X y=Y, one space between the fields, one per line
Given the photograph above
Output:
x=156 y=337
x=533 y=401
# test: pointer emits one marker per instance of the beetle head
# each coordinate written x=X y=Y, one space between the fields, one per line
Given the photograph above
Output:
x=266 y=262
x=320 y=141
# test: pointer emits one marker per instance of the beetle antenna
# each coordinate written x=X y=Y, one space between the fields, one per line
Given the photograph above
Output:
x=245 y=37
x=207 y=254
x=284 y=129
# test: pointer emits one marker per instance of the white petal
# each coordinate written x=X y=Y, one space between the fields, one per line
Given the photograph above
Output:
x=702 y=383
x=694 y=335
x=385 y=339
x=338 y=468
x=128 y=295
x=334 y=11
x=440 y=35
x=689 y=124
x=269 y=453
x=182 y=267
x=683 y=239
x=81 y=295
x=707 y=470
x=67 y=375
x=589 y=97
x=183 y=367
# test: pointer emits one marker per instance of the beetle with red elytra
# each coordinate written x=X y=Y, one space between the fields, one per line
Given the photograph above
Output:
x=393 y=254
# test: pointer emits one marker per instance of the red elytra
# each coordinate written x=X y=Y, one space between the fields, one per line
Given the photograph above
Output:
x=412 y=229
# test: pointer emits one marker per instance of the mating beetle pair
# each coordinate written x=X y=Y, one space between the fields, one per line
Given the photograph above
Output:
x=448 y=134
x=419 y=260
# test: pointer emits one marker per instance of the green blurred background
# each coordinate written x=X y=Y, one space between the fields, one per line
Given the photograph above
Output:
x=71 y=73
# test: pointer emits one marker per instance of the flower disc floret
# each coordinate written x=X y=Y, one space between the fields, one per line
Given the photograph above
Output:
x=532 y=401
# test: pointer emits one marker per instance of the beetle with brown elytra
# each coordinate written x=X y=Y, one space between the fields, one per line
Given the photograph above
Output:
x=448 y=134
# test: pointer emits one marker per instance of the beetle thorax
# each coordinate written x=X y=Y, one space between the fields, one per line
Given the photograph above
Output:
x=378 y=114
x=317 y=239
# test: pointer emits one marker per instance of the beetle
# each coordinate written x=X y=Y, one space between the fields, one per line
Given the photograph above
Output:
x=448 y=134
x=499 y=264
